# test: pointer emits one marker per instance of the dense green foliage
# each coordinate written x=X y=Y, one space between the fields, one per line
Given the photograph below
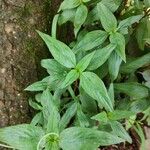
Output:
x=97 y=85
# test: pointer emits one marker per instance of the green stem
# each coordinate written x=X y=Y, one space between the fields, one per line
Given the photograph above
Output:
x=6 y=146
x=72 y=93
x=45 y=137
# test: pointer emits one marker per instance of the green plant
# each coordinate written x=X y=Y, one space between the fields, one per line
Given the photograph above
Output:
x=93 y=93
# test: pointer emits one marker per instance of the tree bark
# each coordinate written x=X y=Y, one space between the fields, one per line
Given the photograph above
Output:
x=20 y=53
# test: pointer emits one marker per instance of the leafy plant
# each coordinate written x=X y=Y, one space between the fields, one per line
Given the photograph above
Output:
x=93 y=94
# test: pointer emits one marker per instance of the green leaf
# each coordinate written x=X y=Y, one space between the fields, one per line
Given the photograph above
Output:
x=143 y=32
x=111 y=93
x=120 y=114
x=72 y=76
x=107 y=18
x=53 y=67
x=78 y=138
x=91 y=40
x=119 y=130
x=133 y=89
x=133 y=65
x=82 y=118
x=112 y=4
x=69 y=4
x=80 y=17
x=88 y=104
x=37 y=119
x=21 y=137
x=101 y=56
x=146 y=75
x=66 y=15
x=34 y=105
x=70 y=112
x=95 y=87
x=114 y=63
x=92 y=16
x=101 y=117
x=53 y=121
x=128 y=22
x=139 y=105
x=54 y=26
x=37 y=86
x=60 y=51
x=119 y=39
x=50 y=112
x=84 y=62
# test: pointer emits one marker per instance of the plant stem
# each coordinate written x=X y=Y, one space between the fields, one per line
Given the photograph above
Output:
x=6 y=146
x=72 y=93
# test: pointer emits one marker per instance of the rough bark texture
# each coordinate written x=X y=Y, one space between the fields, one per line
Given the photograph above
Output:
x=20 y=53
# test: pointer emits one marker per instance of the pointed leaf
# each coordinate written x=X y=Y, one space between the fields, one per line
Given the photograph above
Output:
x=37 y=86
x=111 y=93
x=70 y=112
x=128 y=22
x=101 y=56
x=52 y=66
x=21 y=137
x=84 y=62
x=101 y=117
x=80 y=17
x=133 y=89
x=133 y=65
x=119 y=39
x=120 y=131
x=72 y=76
x=91 y=40
x=120 y=114
x=95 y=87
x=69 y=4
x=114 y=63
x=60 y=51
x=107 y=18
x=78 y=138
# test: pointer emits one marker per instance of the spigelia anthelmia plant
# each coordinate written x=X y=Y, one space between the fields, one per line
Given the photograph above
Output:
x=96 y=86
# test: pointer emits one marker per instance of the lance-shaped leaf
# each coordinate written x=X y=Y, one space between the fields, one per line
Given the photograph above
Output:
x=143 y=32
x=53 y=67
x=66 y=15
x=132 y=89
x=21 y=137
x=114 y=63
x=70 y=78
x=69 y=4
x=107 y=18
x=120 y=131
x=133 y=65
x=81 y=117
x=78 y=138
x=101 y=117
x=100 y=56
x=60 y=51
x=91 y=40
x=119 y=39
x=120 y=114
x=84 y=62
x=128 y=22
x=95 y=87
x=37 y=86
x=111 y=93
x=50 y=112
x=70 y=112
x=80 y=17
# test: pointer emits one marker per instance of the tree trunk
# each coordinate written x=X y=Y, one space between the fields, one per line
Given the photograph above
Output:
x=20 y=53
